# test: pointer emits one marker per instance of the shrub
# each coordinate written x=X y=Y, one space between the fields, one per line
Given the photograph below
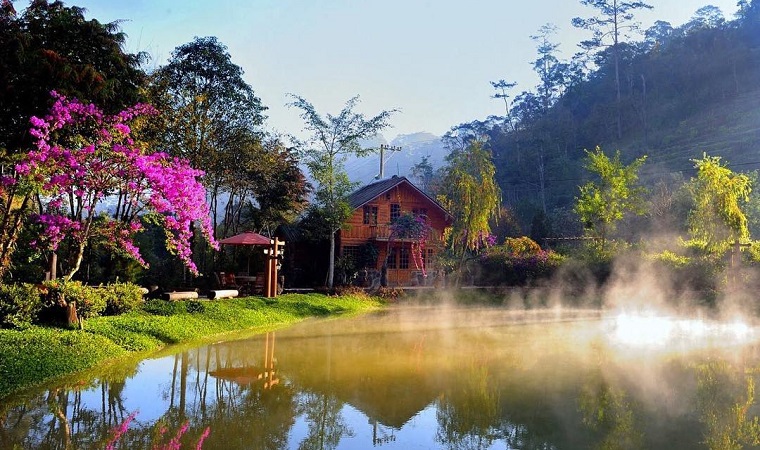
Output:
x=122 y=298
x=19 y=305
x=670 y=259
x=355 y=291
x=689 y=274
x=521 y=247
x=90 y=301
x=519 y=261
x=389 y=294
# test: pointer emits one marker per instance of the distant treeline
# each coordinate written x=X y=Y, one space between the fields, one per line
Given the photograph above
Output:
x=683 y=91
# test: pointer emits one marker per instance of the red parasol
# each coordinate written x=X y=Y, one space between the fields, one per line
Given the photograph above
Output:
x=247 y=238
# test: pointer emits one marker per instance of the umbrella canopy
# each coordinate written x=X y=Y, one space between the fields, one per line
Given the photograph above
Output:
x=247 y=238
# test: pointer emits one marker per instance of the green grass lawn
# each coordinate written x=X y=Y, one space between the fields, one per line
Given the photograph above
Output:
x=38 y=354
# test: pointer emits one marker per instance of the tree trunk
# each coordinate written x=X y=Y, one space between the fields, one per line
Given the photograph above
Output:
x=77 y=262
x=9 y=231
x=53 y=266
x=331 y=266
x=72 y=318
x=458 y=279
x=616 y=56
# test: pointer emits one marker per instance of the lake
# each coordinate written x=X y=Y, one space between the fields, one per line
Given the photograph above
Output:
x=419 y=378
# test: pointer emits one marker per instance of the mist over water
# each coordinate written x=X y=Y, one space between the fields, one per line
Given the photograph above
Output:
x=417 y=376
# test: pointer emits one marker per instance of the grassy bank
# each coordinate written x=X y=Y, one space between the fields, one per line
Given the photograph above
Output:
x=38 y=354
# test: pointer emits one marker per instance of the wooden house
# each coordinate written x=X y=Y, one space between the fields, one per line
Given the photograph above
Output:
x=375 y=208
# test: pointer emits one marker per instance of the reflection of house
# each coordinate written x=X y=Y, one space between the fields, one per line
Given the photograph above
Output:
x=375 y=207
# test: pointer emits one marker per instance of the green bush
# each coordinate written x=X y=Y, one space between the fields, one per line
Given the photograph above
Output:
x=355 y=291
x=690 y=274
x=389 y=294
x=518 y=262
x=521 y=246
x=670 y=259
x=90 y=301
x=122 y=298
x=19 y=305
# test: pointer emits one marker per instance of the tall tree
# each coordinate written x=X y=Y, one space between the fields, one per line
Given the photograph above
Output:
x=424 y=173
x=471 y=195
x=211 y=113
x=277 y=188
x=501 y=87
x=614 y=19
x=547 y=66
x=52 y=47
x=603 y=203
x=332 y=139
x=717 y=219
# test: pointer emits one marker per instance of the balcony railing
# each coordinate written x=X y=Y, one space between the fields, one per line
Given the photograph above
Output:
x=381 y=233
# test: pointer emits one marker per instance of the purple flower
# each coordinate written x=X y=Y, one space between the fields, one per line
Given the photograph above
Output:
x=105 y=162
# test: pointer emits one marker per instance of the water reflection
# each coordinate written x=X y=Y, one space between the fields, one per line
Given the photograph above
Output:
x=412 y=378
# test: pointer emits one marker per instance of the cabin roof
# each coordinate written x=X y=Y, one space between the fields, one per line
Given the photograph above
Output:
x=289 y=232
x=367 y=193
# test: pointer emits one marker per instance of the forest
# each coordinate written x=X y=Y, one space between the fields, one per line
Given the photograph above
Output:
x=676 y=94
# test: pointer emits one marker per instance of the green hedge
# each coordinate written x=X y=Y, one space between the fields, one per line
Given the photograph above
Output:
x=90 y=301
x=122 y=298
x=517 y=262
x=20 y=305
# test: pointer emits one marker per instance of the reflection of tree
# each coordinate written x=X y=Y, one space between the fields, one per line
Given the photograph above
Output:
x=608 y=413
x=60 y=418
x=724 y=398
x=240 y=414
x=58 y=404
x=523 y=437
x=326 y=425
x=468 y=412
x=229 y=387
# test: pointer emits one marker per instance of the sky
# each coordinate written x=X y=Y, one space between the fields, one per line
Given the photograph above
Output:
x=431 y=59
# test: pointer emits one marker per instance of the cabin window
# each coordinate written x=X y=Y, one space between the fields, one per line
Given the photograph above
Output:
x=392 y=258
x=395 y=211
x=370 y=215
x=403 y=260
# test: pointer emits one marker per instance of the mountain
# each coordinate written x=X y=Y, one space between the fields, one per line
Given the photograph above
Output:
x=412 y=148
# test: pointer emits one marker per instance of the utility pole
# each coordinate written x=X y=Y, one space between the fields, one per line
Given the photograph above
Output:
x=383 y=148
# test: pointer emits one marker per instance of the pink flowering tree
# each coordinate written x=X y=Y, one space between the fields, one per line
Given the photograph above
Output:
x=82 y=158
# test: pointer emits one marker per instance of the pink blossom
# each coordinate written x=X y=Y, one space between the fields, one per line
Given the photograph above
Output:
x=203 y=437
x=73 y=179
x=119 y=431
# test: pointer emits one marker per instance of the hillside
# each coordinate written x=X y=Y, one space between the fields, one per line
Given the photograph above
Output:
x=683 y=92
x=730 y=129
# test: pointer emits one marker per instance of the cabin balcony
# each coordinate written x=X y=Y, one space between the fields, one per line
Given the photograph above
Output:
x=382 y=233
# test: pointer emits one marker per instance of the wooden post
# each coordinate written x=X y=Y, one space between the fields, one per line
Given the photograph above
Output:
x=272 y=254
x=268 y=282
x=273 y=270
